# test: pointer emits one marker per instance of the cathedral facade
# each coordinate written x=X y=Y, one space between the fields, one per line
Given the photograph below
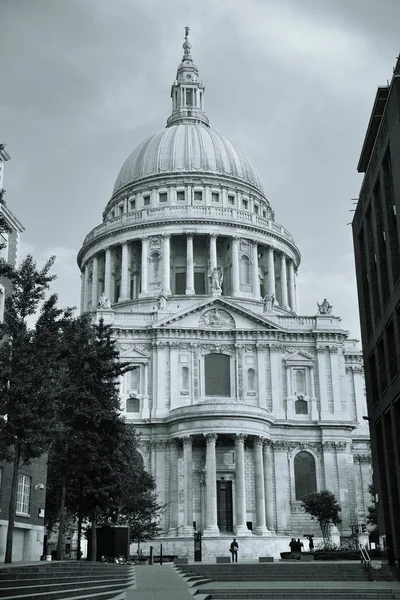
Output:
x=244 y=405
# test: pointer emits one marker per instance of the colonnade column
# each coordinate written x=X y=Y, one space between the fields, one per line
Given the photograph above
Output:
x=95 y=281
x=284 y=294
x=173 y=487
x=211 y=486
x=260 y=528
x=83 y=291
x=292 y=287
x=213 y=251
x=144 y=271
x=268 y=477
x=271 y=272
x=166 y=264
x=188 y=470
x=86 y=288
x=241 y=527
x=124 y=292
x=235 y=267
x=107 y=274
x=255 y=277
x=189 y=265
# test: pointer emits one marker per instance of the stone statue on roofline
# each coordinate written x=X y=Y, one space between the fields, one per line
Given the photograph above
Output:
x=324 y=308
x=104 y=302
x=216 y=279
x=161 y=300
x=269 y=300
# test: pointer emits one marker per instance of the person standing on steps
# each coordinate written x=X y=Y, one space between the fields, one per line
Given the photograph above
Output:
x=234 y=547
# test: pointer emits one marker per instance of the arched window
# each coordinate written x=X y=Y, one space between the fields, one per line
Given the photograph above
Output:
x=251 y=380
x=217 y=375
x=300 y=383
x=245 y=275
x=301 y=407
x=155 y=261
x=185 y=378
x=304 y=474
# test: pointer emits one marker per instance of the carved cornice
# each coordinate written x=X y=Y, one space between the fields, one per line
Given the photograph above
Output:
x=333 y=445
x=362 y=458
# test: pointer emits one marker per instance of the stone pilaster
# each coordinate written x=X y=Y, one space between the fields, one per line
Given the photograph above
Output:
x=281 y=485
x=255 y=277
x=187 y=528
x=144 y=268
x=235 y=267
x=107 y=274
x=260 y=528
x=284 y=290
x=240 y=527
x=173 y=487
x=211 y=486
x=124 y=290
x=271 y=272
x=268 y=482
x=95 y=281
x=292 y=290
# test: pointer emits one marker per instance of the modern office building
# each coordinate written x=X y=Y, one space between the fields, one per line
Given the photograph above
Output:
x=377 y=254
x=244 y=405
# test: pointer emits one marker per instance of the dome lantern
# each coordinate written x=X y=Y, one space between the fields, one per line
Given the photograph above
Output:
x=187 y=92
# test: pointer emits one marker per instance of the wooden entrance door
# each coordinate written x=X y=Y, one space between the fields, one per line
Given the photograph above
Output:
x=224 y=506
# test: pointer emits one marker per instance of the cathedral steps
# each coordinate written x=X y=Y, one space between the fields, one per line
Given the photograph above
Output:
x=301 y=594
x=64 y=581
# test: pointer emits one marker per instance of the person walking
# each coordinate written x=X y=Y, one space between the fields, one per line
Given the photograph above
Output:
x=234 y=547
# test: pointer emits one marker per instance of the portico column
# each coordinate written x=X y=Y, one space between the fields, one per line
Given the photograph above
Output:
x=213 y=251
x=173 y=487
x=189 y=265
x=255 y=277
x=166 y=264
x=95 y=281
x=86 y=294
x=241 y=527
x=211 y=486
x=292 y=291
x=144 y=272
x=268 y=478
x=82 y=291
x=107 y=274
x=235 y=267
x=188 y=469
x=260 y=528
x=124 y=293
x=284 y=294
x=271 y=272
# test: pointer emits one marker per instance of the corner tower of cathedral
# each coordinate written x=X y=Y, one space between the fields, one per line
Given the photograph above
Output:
x=244 y=405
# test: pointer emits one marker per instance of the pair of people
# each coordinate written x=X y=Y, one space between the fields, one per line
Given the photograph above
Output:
x=296 y=546
x=233 y=549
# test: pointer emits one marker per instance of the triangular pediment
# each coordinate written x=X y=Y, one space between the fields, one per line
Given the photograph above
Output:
x=298 y=358
x=127 y=351
x=217 y=314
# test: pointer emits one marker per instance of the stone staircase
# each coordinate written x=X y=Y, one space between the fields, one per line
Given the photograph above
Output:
x=75 y=580
x=283 y=581
x=284 y=571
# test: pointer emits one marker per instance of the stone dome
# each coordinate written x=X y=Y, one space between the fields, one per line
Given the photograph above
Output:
x=188 y=147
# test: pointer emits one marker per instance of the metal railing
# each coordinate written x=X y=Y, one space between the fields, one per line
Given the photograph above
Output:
x=366 y=561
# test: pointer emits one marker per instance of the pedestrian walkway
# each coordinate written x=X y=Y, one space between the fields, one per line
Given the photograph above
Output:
x=158 y=582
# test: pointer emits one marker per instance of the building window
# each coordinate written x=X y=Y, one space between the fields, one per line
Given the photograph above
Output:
x=217 y=375
x=134 y=379
x=155 y=261
x=189 y=97
x=133 y=405
x=180 y=283
x=198 y=196
x=163 y=196
x=245 y=204
x=245 y=270
x=251 y=380
x=256 y=209
x=304 y=474
x=301 y=407
x=215 y=196
x=300 y=382
x=231 y=200
x=23 y=494
x=2 y=300
x=185 y=378
x=146 y=200
x=132 y=204
x=264 y=213
x=180 y=196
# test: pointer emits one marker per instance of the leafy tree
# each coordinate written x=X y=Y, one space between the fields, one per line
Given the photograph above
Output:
x=324 y=508
x=28 y=371
x=372 y=517
x=82 y=458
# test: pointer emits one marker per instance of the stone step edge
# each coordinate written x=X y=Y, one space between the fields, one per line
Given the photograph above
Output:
x=85 y=595
x=50 y=580
x=97 y=582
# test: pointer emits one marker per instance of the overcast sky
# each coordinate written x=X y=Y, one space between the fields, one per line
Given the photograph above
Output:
x=290 y=81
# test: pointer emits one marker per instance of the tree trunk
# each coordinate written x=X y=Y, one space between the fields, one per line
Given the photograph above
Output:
x=78 y=544
x=60 y=541
x=12 y=505
x=93 y=553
